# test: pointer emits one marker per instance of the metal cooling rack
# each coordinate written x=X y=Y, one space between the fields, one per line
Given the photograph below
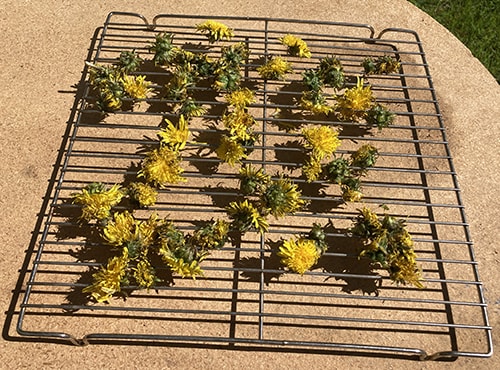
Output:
x=246 y=300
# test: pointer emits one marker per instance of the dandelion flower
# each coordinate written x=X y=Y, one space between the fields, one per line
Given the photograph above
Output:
x=246 y=216
x=163 y=48
x=97 y=201
x=296 y=46
x=299 y=255
x=366 y=156
x=215 y=31
x=240 y=98
x=230 y=150
x=136 y=86
x=380 y=116
x=120 y=229
x=331 y=72
x=239 y=124
x=175 y=136
x=211 y=236
x=184 y=269
x=189 y=108
x=315 y=102
x=282 y=197
x=107 y=281
x=353 y=104
x=251 y=180
x=275 y=69
x=312 y=169
x=162 y=166
x=323 y=140
x=143 y=194
x=144 y=274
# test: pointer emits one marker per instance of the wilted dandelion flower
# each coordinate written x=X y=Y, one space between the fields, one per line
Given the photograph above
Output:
x=299 y=255
x=275 y=69
x=120 y=229
x=246 y=216
x=282 y=197
x=312 y=169
x=107 y=281
x=143 y=194
x=366 y=156
x=144 y=274
x=162 y=166
x=97 y=201
x=252 y=180
x=211 y=236
x=296 y=46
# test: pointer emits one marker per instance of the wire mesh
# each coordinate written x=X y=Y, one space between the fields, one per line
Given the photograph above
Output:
x=246 y=299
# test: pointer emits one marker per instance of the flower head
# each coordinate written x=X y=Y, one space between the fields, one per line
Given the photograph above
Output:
x=364 y=157
x=253 y=181
x=296 y=46
x=332 y=72
x=281 y=197
x=211 y=236
x=175 y=136
x=190 y=269
x=239 y=122
x=144 y=274
x=299 y=255
x=379 y=116
x=215 y=31
x=107 y=281
x=353 y=104
x=230 y=150
x=136 y=86
x=163 y=48
x=240 y=98
x=97 y=201
x=275 y=69
x=143 y=194
x=312 y=169
x=315 y=102
x=120 y=229
x=246 y=216
x=161 y=167
x=128 y=61
x=323 y=140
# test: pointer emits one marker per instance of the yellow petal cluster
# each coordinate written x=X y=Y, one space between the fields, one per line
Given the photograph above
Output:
x=299 y=255
x=354 y=103
x=296 y=46
x=161 y=166
x=137 y=87
x=230 y=150
x=323 y=140
x=215 y=31
x=275 y=69
x=97 y=202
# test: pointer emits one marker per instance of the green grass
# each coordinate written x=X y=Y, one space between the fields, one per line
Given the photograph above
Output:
x=474 y=22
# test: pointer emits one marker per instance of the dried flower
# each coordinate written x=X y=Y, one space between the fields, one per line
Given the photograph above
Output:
x=190 y=269
x=245 y=217
x=323 y=140
x=296 y=46
x=97 y=201
x=281 y=197
x=239 y=122
x=189 y=108
x=175 y=136
x=338 y=170
x=299 y=255
x=215 y=31
x=162 y=166
x=275 y=69
x=143 y=194
x=120 y=230
x=312 y=169
x=144 y=274
x=230 y=150
x=315 y=102
x=107 y=281
x=354 y=103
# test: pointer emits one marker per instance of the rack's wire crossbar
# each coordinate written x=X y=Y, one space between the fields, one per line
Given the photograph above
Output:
x=246 y=298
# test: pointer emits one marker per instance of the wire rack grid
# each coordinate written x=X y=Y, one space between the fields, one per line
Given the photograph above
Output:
x=246 y=299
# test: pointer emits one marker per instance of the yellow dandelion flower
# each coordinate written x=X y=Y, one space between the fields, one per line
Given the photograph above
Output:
x=404 y=270
x=175 y=136
x=323 y=140
x=162 y=166
x=275 y=69
x=230 y=150
x=137 y=87
x=354 y=103
x=245 y=216
x=144 y=274
x=312 y=169
x=97 y=201
x=239 y=123
x=282 y=197
x=252 y=180
x=148 y=229
x=143 y=194
x=107 y=281
x=296 y=46
x=315 y=103
x=178 y=265
x=299 y=255
x=241 y=98
x=351 y=195
x=120 y=229
x=211 y=236
x=215 y=31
